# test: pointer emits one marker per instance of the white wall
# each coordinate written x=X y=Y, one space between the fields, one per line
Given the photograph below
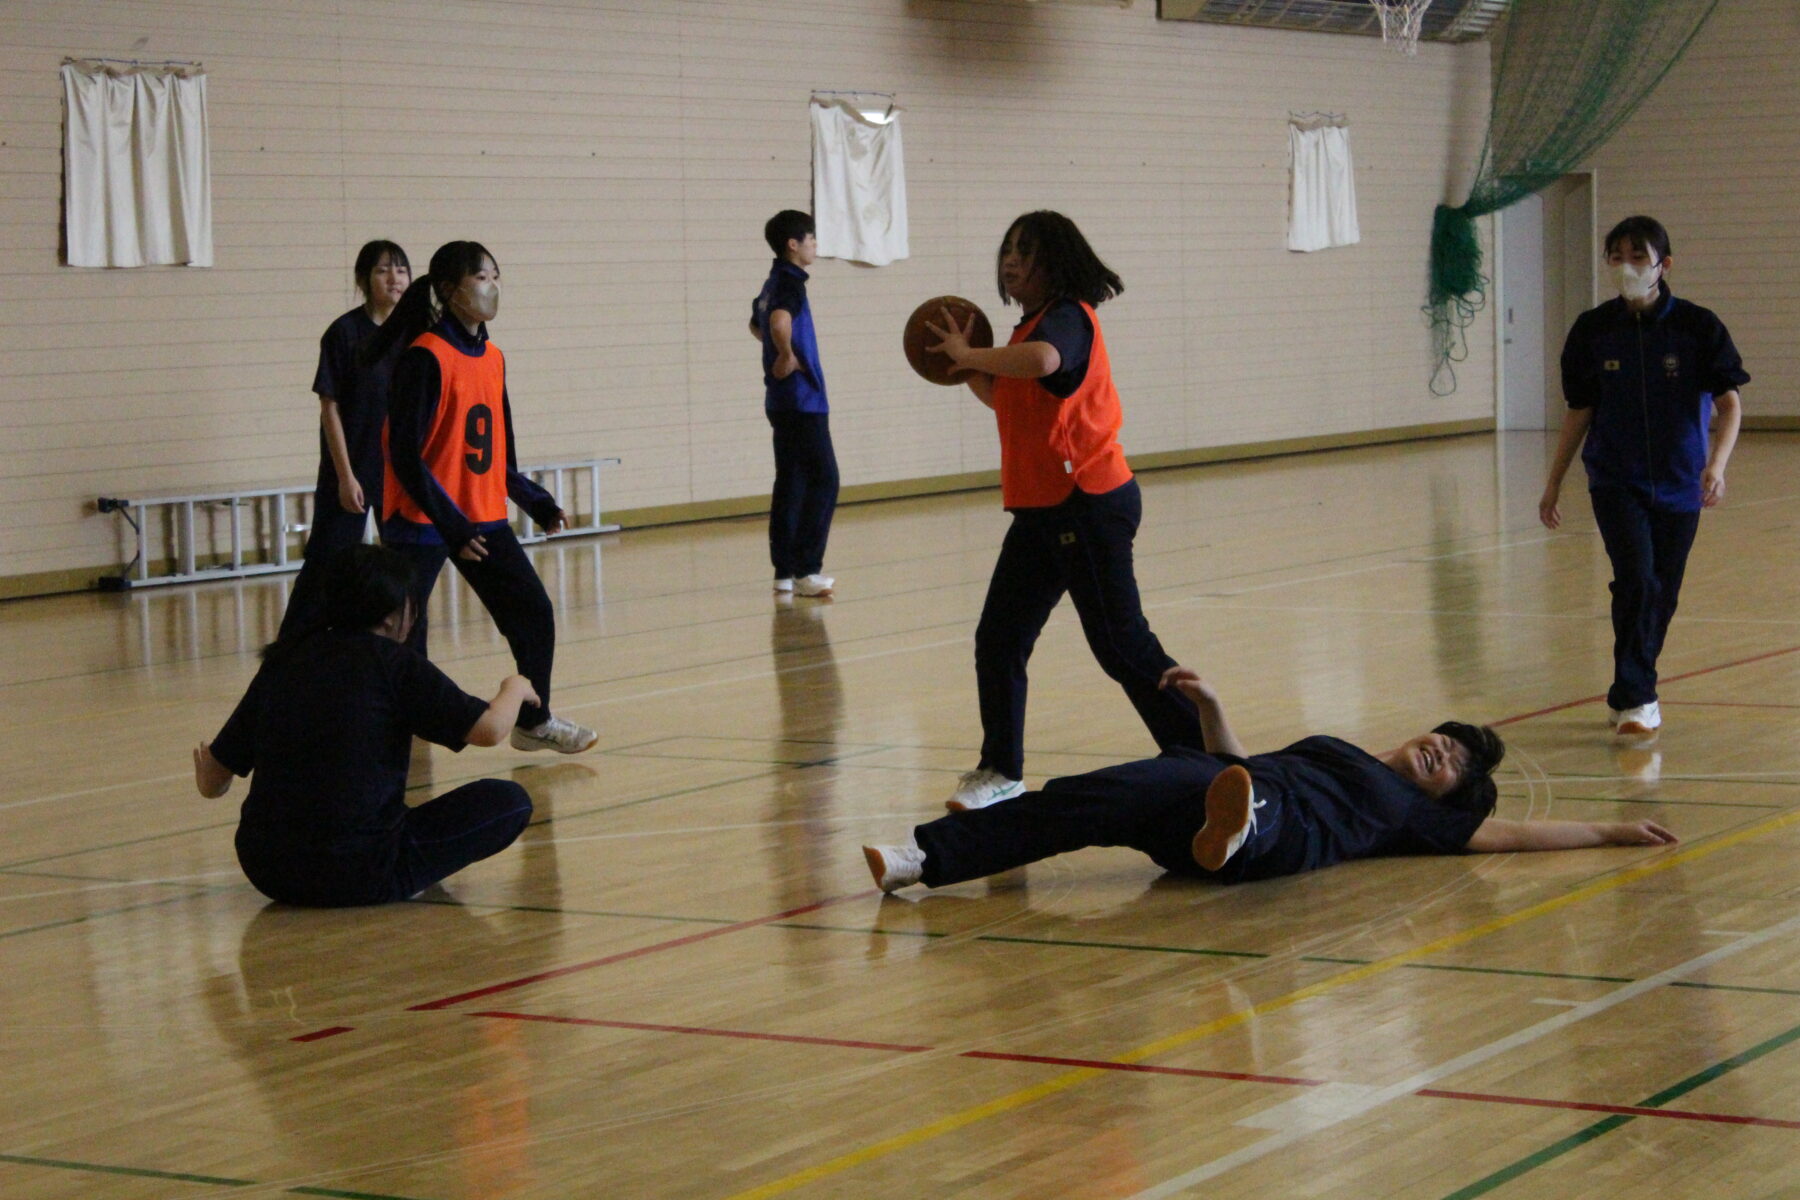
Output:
x=620 y=160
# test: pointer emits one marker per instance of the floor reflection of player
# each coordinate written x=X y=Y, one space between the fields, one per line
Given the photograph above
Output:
x=469 y=1082
x=812 y=707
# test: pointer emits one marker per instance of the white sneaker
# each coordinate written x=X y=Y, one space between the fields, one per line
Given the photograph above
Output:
x=813 y=585
x=1641 y=721
x=1231 y=806
x=564 y=737
x=982 y=787
x=894 y=867
x=785 y=584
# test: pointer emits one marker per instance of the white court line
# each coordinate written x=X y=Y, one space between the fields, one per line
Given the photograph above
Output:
x=1349 y=1106
x=94 y=791
x=114 y=885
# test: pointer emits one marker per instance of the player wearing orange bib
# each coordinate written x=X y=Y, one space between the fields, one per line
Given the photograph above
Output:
x=451 y=470
x=1075 y=505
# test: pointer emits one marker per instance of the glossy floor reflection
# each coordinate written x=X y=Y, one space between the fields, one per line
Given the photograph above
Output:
x=680 y=985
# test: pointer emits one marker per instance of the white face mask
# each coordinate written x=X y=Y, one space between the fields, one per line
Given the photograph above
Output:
x=479 y=298
x=1634 y=283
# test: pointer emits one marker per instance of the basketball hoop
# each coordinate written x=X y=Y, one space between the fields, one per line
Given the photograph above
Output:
x=1401 y=22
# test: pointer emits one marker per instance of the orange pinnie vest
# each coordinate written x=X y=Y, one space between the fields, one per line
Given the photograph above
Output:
x=465 y=449
x=1049 y=446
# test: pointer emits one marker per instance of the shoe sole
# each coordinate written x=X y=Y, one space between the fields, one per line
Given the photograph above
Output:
x=813 y=595
x=877 y=867
x=581 y=749
x=1635 y=729
x=1227 y=815
x=957 y=806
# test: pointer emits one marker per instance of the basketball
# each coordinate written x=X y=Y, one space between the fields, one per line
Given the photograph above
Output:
x=936 y=367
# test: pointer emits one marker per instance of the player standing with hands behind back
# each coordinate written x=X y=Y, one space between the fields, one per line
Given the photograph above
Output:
x=1642 y=375
x=451 y=470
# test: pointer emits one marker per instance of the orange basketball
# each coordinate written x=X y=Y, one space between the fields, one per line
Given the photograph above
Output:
x=936 y=367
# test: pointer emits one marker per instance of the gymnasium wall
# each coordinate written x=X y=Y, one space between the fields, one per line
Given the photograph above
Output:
x=620 y=160
x=1714 y=154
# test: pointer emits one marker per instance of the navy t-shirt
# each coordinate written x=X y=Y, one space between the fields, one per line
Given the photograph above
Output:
x=1331 y=802
x=361 y=393
x=327 y=729
x=1066 y=327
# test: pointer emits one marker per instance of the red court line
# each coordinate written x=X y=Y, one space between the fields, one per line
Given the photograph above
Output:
x=319 y=1034
x=1629 y=1110
x=574 y=968
x=1101 y=1064
x=706 y=1032
x=1754 y=658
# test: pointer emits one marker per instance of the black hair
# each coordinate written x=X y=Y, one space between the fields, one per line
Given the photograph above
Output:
x=1072 y=271
x=790 y=224
x=1474 y=792
x=424 y=301
x=369 y=257
x=364 y=585
x=1644 y=233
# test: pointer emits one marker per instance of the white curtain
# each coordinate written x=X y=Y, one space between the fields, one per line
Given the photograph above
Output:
x=859 y=184
x=137 y=177
x=1322 y=194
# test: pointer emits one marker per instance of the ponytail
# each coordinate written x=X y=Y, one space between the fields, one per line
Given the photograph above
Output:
x=416 y=312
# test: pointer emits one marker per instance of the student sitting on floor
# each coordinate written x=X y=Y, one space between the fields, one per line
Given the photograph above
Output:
x=327 y=727
x=1231 y=816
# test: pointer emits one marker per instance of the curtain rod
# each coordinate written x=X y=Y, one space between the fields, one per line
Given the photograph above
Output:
x=830 y=92
x=138 y=62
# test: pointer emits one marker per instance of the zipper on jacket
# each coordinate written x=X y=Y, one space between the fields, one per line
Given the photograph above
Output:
x=1644 y=409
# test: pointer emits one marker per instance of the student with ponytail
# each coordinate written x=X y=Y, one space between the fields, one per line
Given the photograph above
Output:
x=325 y=732
x=451 y=469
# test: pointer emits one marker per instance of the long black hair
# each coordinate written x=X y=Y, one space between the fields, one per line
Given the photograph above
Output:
x=423 y=304
x=370 y=256
x=1053 y=244
x=1474 y=792
x=364 y=586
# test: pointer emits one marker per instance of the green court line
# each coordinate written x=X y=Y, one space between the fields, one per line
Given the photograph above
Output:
x=154 y=837
x=1735 y=987
x=112 y=912
x=138 y=1172
x=995 y=937
x=1530 y=1162
x=918 y=933
x=185 y=1177
x=1520 y=971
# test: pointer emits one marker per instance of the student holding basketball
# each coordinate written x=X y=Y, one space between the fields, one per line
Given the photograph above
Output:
x=325 y=732
x=1074 y=502
x=1222 y=813
x=806 y=471
x=1642 y=375
x=352 y=409
x=451 y=470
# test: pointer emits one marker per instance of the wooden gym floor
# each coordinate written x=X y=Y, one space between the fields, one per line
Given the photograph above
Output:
x=680 y=984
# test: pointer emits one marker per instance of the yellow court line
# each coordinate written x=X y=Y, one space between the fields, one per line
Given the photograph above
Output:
x=1018 y=1099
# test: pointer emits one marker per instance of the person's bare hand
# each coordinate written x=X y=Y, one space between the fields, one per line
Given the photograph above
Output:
x=350 y=496
x=1548 y=512
x=1712 y=487
x=1187 y=681
x=474 y=550
x=953 y=339
x=1639 y=833
x=786 y=364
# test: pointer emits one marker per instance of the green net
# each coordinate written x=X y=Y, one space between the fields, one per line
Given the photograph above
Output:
x=1569 y=73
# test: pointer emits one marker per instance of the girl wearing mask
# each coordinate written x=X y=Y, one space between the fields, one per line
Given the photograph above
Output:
x=451 y=470
x=1643 y=376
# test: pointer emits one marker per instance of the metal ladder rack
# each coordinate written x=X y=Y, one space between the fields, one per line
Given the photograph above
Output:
x=263 y=528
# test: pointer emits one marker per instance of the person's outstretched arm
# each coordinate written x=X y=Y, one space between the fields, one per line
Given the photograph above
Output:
x=1215 y=731
x=1497 y=835
x=493 y=726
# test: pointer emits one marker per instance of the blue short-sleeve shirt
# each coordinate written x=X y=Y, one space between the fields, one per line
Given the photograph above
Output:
x=804 y=390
